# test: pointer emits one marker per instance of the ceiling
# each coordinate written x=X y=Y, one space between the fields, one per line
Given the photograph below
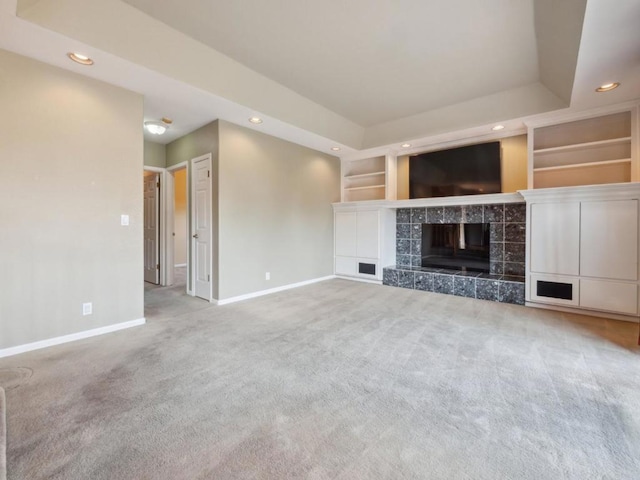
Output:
x=360 y=74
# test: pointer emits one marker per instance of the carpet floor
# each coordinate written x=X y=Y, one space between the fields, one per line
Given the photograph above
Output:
x=336 y=380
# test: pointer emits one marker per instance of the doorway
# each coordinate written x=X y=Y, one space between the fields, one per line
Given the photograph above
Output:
x=151 y=182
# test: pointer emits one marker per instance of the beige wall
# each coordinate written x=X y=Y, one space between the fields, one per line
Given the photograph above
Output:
x=71 y=152
x=154 y=154
x=198 y=143
x=275 y=211
x=513 y=168
x=180 y=218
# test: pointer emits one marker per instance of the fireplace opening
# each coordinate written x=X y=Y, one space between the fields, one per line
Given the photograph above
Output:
x=456 y=246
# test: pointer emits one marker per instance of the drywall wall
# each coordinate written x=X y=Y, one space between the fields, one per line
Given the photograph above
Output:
x=275 y=211
x=180 y=218
x=63 y=187
x=513 y=167
x=514 y=163
x=154 y=154
x=200 y=142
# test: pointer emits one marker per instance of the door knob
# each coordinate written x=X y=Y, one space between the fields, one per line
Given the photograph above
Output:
x=195 y=235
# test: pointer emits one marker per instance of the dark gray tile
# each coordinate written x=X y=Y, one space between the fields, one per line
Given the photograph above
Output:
x=416 y=231
x=423 y=281
x=464 y=286
x=435 y=215
x=443 y=283
x=416 y=260
x=514 y=268
x=390 y=277
x=491 y=276
x=418 y=215
x=452 y=214
x=496 y=268
x=416 y=247
x=472 y=214
x=403 y=230
x=514 y=252
x=464 y=273
x=514 y=278
x=515 y=232
x=487 y=289
x=496 y=253
x=403 y=260
x=405 y=279
x=511 y=292
x=494 y=213
x=515 y=213
x=403 y=215
x=496 y=232
x=403 y=247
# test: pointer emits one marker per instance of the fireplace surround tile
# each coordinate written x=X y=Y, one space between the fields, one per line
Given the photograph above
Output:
x=511 y=292
x=514 y=252
x=416 y=247
x=496 y=253
x=515 y=232
x=403 y=215
x=416 y=261
x=418 y=215
x=452 y=214
x=416 y=231
x=515 y=213
x=496 y=232
x=405 y=279
x=472 y=214
x=494 y=213
x=390 y=277
x=514 y=268
x=435 y=215
x=404 y=260
x=423 y=281
x=403 y=230
x=443 y=283
x=464 y=286
x=403 y=246
x=487 y=289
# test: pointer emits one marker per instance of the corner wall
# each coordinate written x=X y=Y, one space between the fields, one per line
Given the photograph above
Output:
x=275 y=211
x=64 y=184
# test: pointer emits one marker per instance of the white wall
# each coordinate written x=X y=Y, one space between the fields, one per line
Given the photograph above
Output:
x=71 y=158
x=275 y=211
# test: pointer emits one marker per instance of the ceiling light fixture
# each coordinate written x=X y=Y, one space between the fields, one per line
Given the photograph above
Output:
x=405 y=145
x=157 y=128
x=255 y=120
x=335 y=149
x=79 y=58
x=607 y=87
x=497 y=127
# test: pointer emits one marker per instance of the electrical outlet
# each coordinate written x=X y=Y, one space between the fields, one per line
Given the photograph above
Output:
x=124 y=220
x=87 y=308
x=267 y=276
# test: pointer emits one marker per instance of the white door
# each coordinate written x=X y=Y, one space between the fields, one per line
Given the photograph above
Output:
x=151 y=230
x=201 y=226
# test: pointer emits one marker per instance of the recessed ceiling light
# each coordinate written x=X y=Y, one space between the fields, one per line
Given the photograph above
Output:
x=79 y=58
x=256 y=120
x=498 y=127
x=335 y=149
x=405 y=145
x=607 y=86
x=156 y=128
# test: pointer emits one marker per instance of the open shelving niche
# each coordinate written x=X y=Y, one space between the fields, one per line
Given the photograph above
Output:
x=364 y=179
x=588 y=151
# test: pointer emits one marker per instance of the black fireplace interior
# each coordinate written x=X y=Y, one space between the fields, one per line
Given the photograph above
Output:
x=456 y=246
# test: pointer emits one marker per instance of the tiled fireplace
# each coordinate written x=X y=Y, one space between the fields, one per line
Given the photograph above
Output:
x=504 y=283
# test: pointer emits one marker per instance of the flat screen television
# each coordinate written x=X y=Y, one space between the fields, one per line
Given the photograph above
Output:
x=470 y=170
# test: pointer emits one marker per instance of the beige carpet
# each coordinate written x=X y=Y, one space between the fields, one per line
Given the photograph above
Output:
x=334 y=380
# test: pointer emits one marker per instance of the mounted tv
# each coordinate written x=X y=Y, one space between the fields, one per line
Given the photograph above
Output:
x=470 y=170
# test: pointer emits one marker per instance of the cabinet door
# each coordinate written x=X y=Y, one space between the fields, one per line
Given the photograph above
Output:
x=345 y=234
x=346 y=266
x=609 y=239
x=555 y=238
x=609 y=296
x=367 y=234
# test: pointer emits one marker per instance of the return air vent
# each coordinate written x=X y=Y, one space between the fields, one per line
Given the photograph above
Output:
x=559 y=290
x=367 y=268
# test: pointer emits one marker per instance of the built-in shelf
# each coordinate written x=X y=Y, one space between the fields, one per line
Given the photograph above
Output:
x=583 y=146
x=364 y=188
x=582 y=165
x=363 y=175
x=587 y=151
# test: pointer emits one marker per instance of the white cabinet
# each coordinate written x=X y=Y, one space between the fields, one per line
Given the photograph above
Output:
x=582 y=248
x=364 y=241
x=555 y=238
x=609 y=239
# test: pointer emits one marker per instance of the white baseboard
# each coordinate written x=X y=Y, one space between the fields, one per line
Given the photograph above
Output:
x=180 y=265
x=239 y=298
x=7 y=352
x=357 y=279
x=580 y=311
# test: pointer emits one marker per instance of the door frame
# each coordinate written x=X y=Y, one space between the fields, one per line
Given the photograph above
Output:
x=162 y=224
x=170 y=212
x=191 y=259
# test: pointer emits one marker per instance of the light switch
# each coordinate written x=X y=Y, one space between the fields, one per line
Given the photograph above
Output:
x=124 y=220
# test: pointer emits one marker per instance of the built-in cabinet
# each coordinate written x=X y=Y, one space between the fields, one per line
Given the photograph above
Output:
x=369 y=179
x=582 y=247
x=364 y=241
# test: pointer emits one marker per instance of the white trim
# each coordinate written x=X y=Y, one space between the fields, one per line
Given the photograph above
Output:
x=583 y=311
x=178 y=166
x=180 y=265
x=582 y=192
x=7 y=352
x=260 y=293
x=485 y=199
x=358 y=279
